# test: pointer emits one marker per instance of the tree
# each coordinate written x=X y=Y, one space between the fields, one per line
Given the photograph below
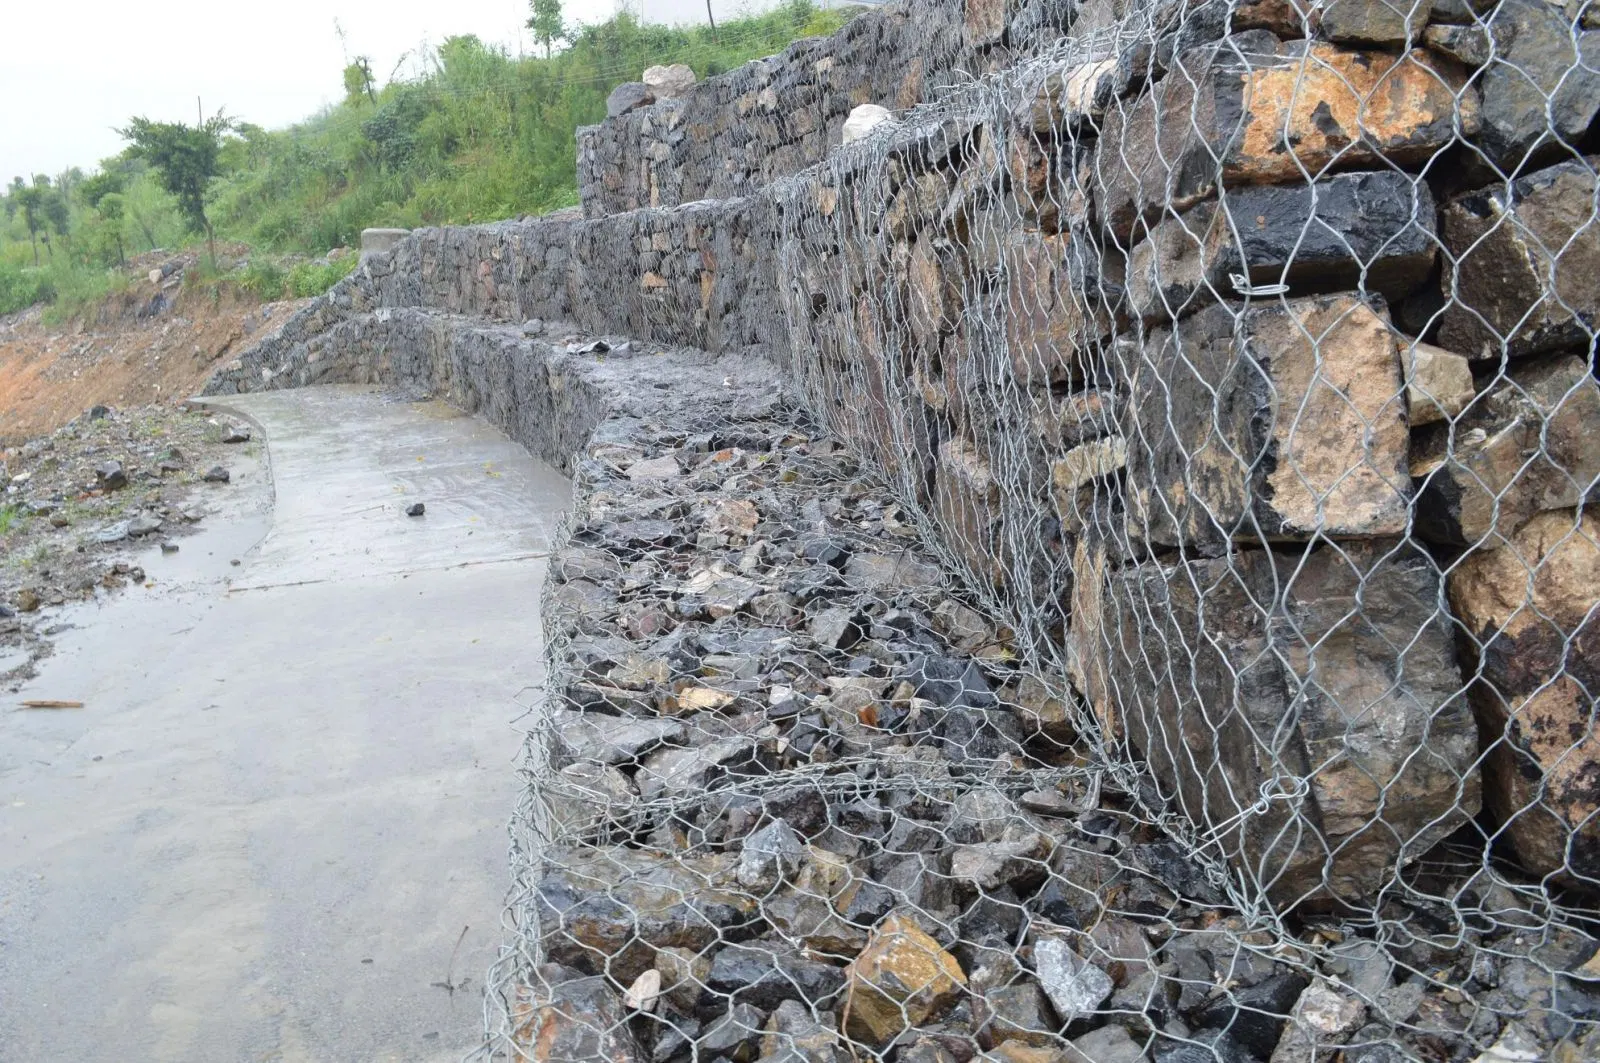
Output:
x=186 y=159
x=57 y=212
x=102 y=194
x=358 y=81
x=29 y=199
x=546 y=23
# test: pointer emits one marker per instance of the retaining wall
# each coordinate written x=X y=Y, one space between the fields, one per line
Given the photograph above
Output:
x=1237 y=356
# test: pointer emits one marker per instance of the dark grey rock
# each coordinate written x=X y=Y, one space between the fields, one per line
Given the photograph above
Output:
x=1206 y=1046
x=1254 y=1015
x=236 y=433
x=143 y=524
x=416 y=509
x=217 y=475
x=109 y=476
x=1543 y=89
x=628 y=96
x=771 y=854
x=1524 y=262
x=1382 y=22
x=1312 y=237
x=765 y=974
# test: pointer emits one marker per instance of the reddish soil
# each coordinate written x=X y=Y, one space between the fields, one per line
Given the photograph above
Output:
x=154 y=343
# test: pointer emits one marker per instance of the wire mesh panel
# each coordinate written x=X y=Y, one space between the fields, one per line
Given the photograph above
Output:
x=1173 y=636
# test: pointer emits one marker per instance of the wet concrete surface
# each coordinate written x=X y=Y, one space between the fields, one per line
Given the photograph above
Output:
x=285 y=796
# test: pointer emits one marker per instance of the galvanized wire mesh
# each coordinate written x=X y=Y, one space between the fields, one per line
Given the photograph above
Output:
x=1237 y=360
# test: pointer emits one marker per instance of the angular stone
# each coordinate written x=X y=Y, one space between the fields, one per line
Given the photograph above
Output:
x=1322 y=1017
x=1253 y=1015
x=1439 y=383
x=1066 y=99
x=1075 y=986
x=683 y=976
x=1050 y=314
x=901 y=979
x=935 y=294
x=1109 y=1044
x=967 y=502
x=735 y=1036
x=1542 y=88
x=990 y=865
x=1310 y=237
x=773 y=853
x=1520 y=268
x=609 y=911
x=109 y=476
x=793 y=1036
x=1328 y=678
x=1527 y=444
x=668 y=82
x=1529 y=606
x=679 y=770
x=1078 y=482
x=804 y=916
x=571 y=1019
x=1281 y=421
x=764 y=973
x=1254 y=110
x=1378 y=22
x=612 y=739
x=1471 y=45
x=628 y=96
x=1018 y=1012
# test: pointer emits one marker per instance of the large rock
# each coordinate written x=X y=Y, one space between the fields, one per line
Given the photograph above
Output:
x=1310 y=237
x=668 y=82
x=1051 y=313
x=1527 y=444
x=901 y=979
x=1254 y=110
x=862 y=120
x=1529 y=607
x=1541 y=90
x=1326 y=681
x=1380 y=22
x=628 y=96
x=1524 y=264
x=607 y=911
x=569 y=1018
x=1282 y=421
x=968 y=505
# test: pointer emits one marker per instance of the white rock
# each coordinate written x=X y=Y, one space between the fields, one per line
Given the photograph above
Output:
x=642 y=994
x=862 y=120
x=667 y=82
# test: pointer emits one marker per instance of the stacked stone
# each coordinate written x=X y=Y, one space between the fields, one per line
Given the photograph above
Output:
x=803 y=803
x=732 y=135
x=1236 y=372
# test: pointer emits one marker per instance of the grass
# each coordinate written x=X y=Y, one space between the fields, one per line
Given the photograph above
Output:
x=8 y=517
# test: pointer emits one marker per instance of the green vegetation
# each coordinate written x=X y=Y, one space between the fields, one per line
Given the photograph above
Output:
x=482 y=135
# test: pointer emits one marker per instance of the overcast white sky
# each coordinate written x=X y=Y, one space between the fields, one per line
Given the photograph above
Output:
x=73 y=70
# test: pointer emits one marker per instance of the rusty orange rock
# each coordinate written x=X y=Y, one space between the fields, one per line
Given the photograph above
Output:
x=902 y=979
x=1255 y=110
x=1528 y=605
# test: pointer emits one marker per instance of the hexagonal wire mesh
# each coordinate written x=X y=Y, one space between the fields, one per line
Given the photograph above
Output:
x=1172 y=636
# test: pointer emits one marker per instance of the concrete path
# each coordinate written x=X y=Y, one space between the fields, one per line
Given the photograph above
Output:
x=287 y=793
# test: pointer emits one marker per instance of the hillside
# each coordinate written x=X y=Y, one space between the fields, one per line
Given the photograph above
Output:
x=481 y=135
